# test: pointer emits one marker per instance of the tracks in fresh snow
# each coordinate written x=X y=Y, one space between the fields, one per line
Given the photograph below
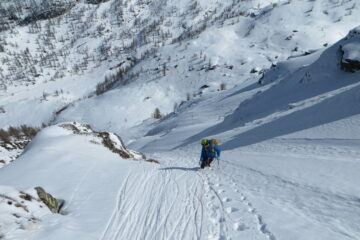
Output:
x=183 y=203
x=306 y=200
x=237 y=217
x=157 y=205
x=237 y=201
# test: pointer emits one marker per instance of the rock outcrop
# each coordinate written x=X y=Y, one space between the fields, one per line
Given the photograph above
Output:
x=109 y=140
x=52 y=203
x=350 y=61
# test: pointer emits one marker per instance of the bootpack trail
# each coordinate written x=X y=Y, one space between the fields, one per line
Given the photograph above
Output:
x=278 y=189
x=178 y=200
x=182 y=201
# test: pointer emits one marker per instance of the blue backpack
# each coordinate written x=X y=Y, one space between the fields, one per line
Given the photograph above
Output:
x=210 y=148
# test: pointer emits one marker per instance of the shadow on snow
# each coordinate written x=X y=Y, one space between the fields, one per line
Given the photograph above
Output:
x=181 y=168
x=334 y=108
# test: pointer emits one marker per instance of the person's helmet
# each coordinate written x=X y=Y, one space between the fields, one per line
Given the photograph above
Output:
x=204 y=141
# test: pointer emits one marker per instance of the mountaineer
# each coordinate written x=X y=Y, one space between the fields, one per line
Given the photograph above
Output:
x=210 y=150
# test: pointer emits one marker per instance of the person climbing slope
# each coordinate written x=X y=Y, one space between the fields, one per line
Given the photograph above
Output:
x=209 y=151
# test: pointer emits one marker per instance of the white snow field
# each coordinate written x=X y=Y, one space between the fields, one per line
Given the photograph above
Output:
x=50 y=64
x=270 y=190
x=268 y=79
x=288 y=170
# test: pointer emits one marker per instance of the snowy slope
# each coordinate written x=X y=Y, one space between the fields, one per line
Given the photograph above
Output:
x=48 y=65
x=284 y=172
x=20 y=210
x=291 y=144
x=224 y=54
x=266 y=78
x=310 y=93
x=76 y=167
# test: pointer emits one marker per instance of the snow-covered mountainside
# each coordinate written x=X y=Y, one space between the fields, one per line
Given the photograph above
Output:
x=276 y=82
x=170 y=48
x=66 y=160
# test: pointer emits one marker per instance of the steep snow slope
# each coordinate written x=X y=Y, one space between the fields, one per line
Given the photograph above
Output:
x=291 y=148
x=52 y=63
x=284 y=172
x=70 y=162
x=289 y=169
x=300 y=94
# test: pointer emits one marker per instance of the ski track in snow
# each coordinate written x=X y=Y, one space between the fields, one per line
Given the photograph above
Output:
x=179 y=201
x=78 y=186
x=149 y=200
x=182 y=203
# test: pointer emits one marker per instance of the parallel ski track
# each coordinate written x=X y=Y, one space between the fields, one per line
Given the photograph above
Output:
x=155 y=205
x=181 y=203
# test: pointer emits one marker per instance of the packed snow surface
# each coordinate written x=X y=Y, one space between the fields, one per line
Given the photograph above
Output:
x=277 y=189
x=57 y=63
x=287 y=171
x=263 y=77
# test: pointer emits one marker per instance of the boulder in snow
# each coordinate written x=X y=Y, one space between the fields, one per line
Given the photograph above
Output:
x=52 y=203
x=351 y=57
x=350 y=61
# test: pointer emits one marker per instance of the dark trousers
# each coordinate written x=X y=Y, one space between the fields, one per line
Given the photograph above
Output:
x=206 y=162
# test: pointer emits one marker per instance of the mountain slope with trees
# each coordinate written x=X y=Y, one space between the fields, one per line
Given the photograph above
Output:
x=275 y=82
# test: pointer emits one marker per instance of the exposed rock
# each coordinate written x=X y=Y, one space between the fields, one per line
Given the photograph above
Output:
x=350 y=61
x=152 y=161
x=353 y=33
x=212 y=67
x=52 y=203
x=349 y=65
x=109 y=140
x=204 y=86
x=96 y=1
